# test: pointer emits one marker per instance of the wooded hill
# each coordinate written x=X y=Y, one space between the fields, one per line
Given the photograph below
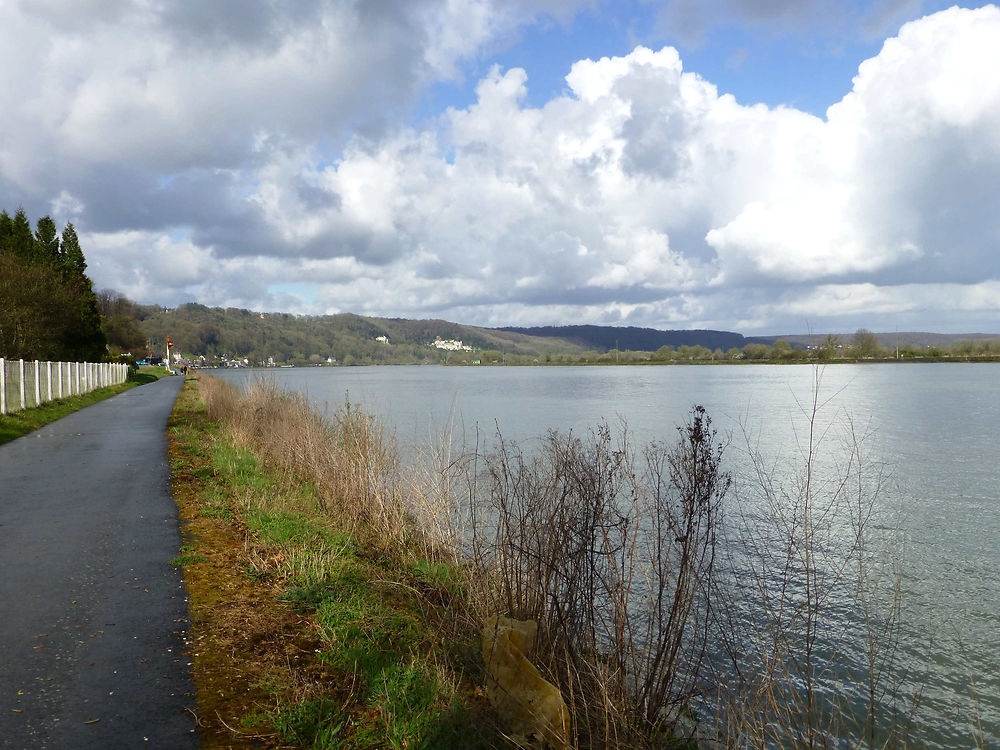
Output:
x=605 y=338
x=349 y=339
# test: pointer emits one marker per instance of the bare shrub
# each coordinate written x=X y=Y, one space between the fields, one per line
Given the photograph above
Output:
x=613 y=553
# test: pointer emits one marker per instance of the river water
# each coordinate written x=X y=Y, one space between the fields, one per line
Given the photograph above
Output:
x=933 y=425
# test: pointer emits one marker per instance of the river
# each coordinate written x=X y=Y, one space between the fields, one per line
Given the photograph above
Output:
x=933 y=425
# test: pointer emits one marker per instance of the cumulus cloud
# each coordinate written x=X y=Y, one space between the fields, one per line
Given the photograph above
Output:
x=642 y=195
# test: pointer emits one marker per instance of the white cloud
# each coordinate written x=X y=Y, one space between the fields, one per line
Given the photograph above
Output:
x=641 y=195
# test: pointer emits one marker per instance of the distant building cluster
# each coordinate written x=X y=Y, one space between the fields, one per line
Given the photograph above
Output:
x=452 y=345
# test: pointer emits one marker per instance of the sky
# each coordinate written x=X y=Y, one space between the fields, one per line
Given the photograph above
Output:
x=761 y=166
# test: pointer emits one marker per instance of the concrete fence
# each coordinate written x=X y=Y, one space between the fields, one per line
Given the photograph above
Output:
x=25 y=385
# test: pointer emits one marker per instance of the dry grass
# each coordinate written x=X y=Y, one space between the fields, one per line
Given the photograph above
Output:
x=317 y=535
x=250 y=652
x=348 y=459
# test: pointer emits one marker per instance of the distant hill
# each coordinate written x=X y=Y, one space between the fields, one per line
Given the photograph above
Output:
x=604 y=338
x=349 y=339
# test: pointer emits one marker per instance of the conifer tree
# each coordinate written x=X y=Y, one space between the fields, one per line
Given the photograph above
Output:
x=72 y=254
x=22 y=239
x=47 y=240
x=6 y=231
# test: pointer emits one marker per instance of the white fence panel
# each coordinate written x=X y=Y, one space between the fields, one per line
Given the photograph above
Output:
x=25 y=385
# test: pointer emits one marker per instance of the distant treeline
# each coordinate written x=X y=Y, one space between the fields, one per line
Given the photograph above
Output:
x=607 y=338
x=48 y=309
x=860 y=346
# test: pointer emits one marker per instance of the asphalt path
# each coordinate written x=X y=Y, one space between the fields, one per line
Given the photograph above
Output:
x=92 y=615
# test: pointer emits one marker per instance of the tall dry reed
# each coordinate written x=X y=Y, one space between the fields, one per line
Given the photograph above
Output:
x=347 y=457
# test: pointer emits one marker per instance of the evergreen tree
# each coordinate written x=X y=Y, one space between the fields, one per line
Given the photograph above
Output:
x=6 y=232
x=47 y=240
x=72 y=254
x=22 y=239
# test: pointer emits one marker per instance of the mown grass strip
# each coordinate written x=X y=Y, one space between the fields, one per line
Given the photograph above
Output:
x=302 y=636
x=20 y=423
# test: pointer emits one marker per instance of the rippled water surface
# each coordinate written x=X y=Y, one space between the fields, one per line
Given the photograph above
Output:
x=934 y=425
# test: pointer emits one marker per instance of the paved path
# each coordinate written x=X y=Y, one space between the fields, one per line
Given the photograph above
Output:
x=92 y=616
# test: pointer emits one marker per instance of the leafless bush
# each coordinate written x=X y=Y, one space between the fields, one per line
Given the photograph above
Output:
x=613 y=552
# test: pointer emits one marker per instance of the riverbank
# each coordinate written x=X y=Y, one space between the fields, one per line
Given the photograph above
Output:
x=304 y=634
x=588 y=534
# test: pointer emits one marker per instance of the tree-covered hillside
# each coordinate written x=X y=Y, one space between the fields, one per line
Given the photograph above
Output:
x=605 y=338
x=349 y=339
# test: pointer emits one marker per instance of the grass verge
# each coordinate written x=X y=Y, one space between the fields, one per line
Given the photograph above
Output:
x=302 y=634
x=21 y=423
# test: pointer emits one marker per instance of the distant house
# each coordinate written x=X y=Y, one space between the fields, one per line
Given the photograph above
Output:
x=382 y=339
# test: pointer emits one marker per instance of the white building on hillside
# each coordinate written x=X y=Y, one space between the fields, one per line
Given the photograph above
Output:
x=452 y=345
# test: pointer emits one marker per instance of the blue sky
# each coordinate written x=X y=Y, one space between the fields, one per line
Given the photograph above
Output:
x=766 y=166
x=805 y=61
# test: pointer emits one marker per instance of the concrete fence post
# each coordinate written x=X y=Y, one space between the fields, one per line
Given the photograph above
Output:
x=20 y=368
x=38 y=383
x=48 y=378
x=3 y=386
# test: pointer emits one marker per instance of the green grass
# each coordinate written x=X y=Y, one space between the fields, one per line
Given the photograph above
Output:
x=187 y=556
x=20 y=423
x=380 y=617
